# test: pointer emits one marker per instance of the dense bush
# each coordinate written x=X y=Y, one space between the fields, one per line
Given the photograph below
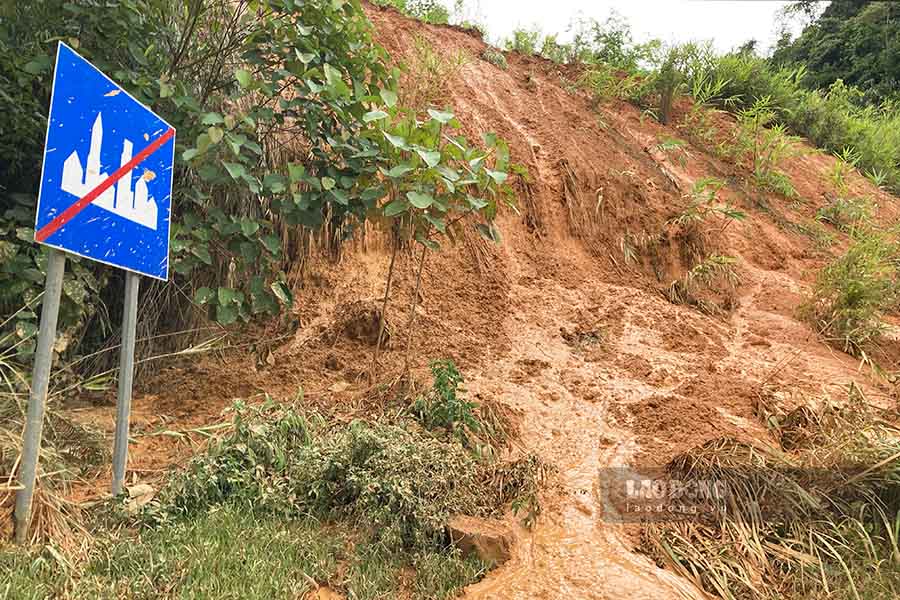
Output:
x=269 y=107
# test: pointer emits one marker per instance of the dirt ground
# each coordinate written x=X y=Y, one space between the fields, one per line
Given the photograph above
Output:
x=555 y=322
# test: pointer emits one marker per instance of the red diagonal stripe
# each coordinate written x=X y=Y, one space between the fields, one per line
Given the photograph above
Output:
x=67 y=215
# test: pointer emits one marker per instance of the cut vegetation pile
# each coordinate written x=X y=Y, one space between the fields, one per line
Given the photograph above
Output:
x=308 y=502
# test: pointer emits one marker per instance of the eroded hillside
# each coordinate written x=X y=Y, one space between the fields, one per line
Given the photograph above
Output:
x=568 y=321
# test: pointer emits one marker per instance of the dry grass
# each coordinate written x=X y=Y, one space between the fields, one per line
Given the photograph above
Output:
x=818 y=517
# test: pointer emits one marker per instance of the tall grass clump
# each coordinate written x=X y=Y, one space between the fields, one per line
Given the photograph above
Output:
x=817 y=517
x=832 y=119
x=852 y=294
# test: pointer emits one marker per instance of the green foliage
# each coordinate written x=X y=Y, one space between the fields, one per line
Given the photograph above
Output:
x=611 y=43
x=228 y=553
x=674 y=72
x=443 y=576
x=764 y=145
x=704 y=203
x=856 y=42
x=269 y=107
x=605 y=82
x=233 y=553
x=832 y=118
x=398 y=485
x=429 y=11
x=846 y=214
x=524 y=41
x=852 y=294
x=433 y=180
x=444 y=406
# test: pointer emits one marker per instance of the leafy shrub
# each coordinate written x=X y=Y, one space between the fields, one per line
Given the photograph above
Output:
x=232 y=81
x=444 y=406
x=846 y=214
x=703 y=204
x=429 y=11
x=764 y=145
x=852 y=293
x=524 y=41
x=605 y=82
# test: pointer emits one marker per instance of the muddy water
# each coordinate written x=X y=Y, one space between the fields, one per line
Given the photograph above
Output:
x=572 y=551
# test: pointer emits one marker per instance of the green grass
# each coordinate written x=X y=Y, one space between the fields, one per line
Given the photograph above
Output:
x=231 y=553
x=227 y=553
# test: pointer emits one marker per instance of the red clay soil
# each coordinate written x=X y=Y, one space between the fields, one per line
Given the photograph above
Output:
x=555 y=322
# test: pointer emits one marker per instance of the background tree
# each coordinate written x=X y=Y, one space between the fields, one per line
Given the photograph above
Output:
x=857 y=41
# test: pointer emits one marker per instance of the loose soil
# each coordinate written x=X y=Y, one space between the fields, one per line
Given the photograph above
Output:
x=554 y=322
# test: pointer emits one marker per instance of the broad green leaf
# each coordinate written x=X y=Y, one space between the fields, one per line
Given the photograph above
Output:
x=226 y=314
x=188 y=154
x=431 y=158
x=283 y=293
x=274 y=182
x=236 y=170
x=272 y=244
x=396 y=207
x=398 y=171
x=440 y=116
x=202 y=253
x=243 y=77
x=476 y=203
x=498 y=176
x=296 y=172
x=226 y=296
x=204 y=295
x=389 y=97
x=340 y=196
x=328 y=183
x=438 y=223
x=215 y=134
x=375 y=115
x=249 y=227
x=336 y=81
x=448 y=173
x=396 y=141
x=212 y=118
x=420 y=200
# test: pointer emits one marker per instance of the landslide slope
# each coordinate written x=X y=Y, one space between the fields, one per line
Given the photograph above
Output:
x=565 y=321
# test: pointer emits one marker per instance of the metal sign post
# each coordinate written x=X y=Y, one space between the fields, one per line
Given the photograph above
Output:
x=126 y=374
x=40 y=380
x=106 y=195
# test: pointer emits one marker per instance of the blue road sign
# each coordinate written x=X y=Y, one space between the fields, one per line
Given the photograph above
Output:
x=106 y=186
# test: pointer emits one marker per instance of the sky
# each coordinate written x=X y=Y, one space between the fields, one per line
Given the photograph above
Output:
x=728 y=23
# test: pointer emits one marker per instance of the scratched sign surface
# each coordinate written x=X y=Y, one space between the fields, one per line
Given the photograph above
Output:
x=106 y=187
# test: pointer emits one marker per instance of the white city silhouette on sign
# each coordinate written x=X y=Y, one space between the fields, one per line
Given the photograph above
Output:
x=136 y=206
